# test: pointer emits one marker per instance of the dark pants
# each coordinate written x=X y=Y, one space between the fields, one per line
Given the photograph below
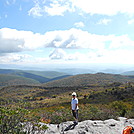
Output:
x=75 y=113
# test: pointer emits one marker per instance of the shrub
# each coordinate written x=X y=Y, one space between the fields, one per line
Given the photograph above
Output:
x=10 y=121
x=121 y=108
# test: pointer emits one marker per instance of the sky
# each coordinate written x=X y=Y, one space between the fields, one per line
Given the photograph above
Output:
x=66 y=32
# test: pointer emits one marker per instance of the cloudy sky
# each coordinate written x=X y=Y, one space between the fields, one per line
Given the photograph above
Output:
x=36 y=32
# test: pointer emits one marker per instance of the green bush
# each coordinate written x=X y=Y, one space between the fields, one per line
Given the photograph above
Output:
x=10 y=120
x=120 y=108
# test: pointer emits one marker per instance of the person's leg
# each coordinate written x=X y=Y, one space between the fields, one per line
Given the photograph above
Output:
x=75 y=115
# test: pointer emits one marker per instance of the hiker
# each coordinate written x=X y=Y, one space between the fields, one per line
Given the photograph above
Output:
x=128 y=130
x=74 y=106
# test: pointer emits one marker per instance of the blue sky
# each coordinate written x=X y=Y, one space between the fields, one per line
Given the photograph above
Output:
x=43 y=32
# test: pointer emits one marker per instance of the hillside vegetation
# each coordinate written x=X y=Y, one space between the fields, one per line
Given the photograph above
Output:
x=7 y=80
x=35 y=76
x=47 y=74
x=82 y=80
x=101 y=96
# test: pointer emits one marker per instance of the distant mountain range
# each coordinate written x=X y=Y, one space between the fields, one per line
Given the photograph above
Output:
x=128 y=73
x=73 y=69
x=63 y=78
x=32 y=77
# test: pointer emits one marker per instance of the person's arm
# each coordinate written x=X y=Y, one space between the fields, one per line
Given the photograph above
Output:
x=76 y=107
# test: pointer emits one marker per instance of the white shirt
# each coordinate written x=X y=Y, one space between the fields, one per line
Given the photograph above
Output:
x=73 y=103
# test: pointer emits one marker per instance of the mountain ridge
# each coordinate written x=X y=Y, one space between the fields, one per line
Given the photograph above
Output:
x=100 y=79
x=129 y=73
x=39 y=76
x=9 y=79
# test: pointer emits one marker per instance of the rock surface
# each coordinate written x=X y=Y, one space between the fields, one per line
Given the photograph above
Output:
x=110 y=126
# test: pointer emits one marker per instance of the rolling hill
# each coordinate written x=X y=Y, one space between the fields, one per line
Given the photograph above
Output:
x=99 y=79
x=8 y=80
x=38 y=76
x=47 y=74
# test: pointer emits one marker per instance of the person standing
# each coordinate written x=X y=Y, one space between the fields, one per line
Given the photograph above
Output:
x=74 y=106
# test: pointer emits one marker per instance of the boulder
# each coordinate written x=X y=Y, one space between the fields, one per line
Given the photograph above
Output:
x=109 y=126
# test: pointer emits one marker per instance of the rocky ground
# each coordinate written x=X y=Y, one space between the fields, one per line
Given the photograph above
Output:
x=110 y=126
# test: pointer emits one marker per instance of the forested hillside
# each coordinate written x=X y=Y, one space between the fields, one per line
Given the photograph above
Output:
x=8 y=80
x=99 y=79
x=35 y=76
x=47 y=74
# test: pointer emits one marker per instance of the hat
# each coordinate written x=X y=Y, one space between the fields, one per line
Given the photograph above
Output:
x=73 y=94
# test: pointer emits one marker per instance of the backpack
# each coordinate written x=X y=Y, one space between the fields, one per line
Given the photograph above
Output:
x=128 y=130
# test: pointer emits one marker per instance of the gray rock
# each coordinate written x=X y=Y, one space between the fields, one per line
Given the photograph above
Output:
x=110 y=126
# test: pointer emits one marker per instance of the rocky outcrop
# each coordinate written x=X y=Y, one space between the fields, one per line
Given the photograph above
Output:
x=110 y=126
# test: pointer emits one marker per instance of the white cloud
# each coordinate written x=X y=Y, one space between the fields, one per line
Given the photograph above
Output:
x=52 y=8
x=105 y=7
x=131 y=21
x=57 y=8
x=101 y=47
x=16 y=41
x=12 y=40
x=118 y=56
x=14 y=58
x=121 y=42
x=102 y=7
x=79 y=24
x=58 y=54
x=104 y=21
x=36 y=11
x=77 y=56
x=74 y=38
